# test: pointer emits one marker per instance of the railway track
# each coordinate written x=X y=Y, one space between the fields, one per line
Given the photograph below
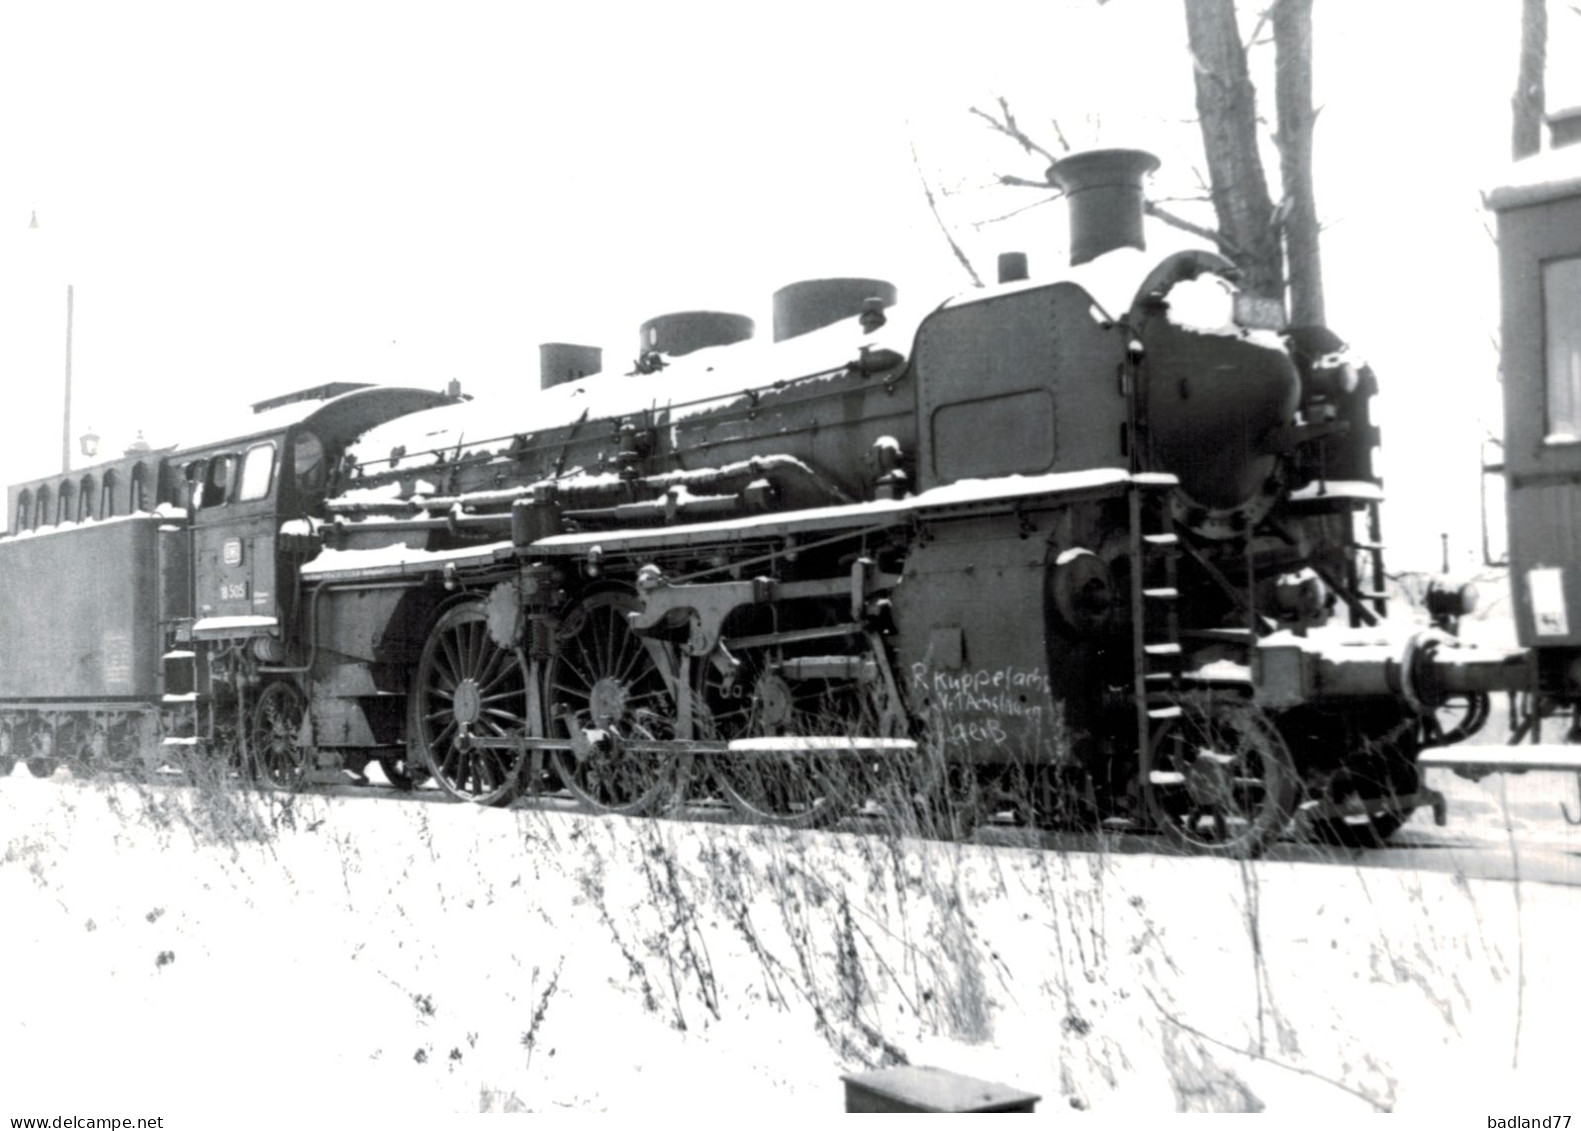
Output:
x=1505 y=829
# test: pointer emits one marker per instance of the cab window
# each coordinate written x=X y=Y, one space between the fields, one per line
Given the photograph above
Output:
x=217 y=485
x=308 y=463
x=1562 y=347
x=192 y=476
x=257 y=473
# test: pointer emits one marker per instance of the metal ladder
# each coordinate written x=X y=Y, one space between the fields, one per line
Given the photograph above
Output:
x=1156 y=654
x=1367 y=582
x=185 y=698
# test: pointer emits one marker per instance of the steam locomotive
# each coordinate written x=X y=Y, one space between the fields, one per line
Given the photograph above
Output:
x=1104 y=547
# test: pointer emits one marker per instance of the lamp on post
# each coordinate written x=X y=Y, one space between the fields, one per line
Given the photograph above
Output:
x=65 y=431
x=90 y=442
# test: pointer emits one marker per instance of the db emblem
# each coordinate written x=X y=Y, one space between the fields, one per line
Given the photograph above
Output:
x=232 y=551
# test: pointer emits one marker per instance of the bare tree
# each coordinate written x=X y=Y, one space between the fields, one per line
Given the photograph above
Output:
x=1264 y=239
x=1227 y=110
x=1526 y=137
x=1292 y=20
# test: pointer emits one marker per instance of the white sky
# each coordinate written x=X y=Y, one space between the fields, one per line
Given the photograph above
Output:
x=250 y=199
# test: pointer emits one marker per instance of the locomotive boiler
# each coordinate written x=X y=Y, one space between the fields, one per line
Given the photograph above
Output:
x=1080 y=548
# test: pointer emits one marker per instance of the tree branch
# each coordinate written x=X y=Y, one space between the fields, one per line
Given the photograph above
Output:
x=1059 y=133
x=1197 y=230
x=978 y=225
x=1007 y=126
x=1262 y=20
x=933 y=207
x=1021 y=182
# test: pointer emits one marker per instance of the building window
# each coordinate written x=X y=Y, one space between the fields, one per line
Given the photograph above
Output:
x=139 y=499
x=1562 y=344
x=42 y=515
x=85 y=499
x=24 y=512
x=107 y=502
x=63 y=511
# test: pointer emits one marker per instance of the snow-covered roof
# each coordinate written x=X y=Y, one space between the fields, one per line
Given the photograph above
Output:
x=397 y=560
x=372 y=402
x=67 y=527
x=699 y=381
x=1112 y=279
x=1545 y=176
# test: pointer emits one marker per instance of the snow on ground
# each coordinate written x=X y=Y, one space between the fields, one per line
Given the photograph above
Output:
x=183 y=951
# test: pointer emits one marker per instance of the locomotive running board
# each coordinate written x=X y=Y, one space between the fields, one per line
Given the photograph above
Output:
x=1477 y=762
x=811 y=744
x=779 y=744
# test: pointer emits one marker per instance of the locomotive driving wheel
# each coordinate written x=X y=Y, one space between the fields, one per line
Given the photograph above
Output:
x=764 y=692
x=277 y=719
x=605 y=679
x=1220 y=780
x=467 y=687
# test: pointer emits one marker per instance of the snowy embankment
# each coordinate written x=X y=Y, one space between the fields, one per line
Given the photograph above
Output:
x=181 y=950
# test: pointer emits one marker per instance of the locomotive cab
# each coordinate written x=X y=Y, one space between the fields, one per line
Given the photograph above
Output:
x=240 y=494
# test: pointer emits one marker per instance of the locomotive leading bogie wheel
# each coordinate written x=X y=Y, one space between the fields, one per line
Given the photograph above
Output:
x=604 y=677
x=1221 y=782
x=276 y=722
x=467 y=687
x=1371 y=792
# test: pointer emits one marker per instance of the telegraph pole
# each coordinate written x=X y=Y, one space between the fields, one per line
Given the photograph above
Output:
x=65 y=432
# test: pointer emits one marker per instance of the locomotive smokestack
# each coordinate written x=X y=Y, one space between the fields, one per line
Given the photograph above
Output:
x=559 y=362
x=688 y=330
x=800 y=308
x=1104 y=187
